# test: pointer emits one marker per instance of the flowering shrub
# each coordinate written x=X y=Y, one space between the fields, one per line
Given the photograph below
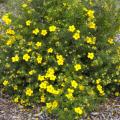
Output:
x=61 y=54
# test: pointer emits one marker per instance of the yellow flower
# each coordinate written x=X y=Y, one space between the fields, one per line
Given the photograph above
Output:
x=70 y=90
x=74 y=84
x=32 y=72
x=5 y=82
x=26 y=57
x=92 y=25
x=39 y=59
x=50 y=50
x=52 y=77
x=10 y=32
x=30 y=43
x=56 y=92
x=15 y=58
x=50 y=71
x=81 y=87
x=44 y=32
x=28 y=50
x=43 y=85
x=6 y=19
x=28 y=22
x=90 y=56
x=90 y=40
x=77 y=31
x=111 y=41
x=65 y=4
x=50 y=74
x=77 y=67
x=78 y=110
x=50 y=89
x=16 y=99
x=71 y=28
x=35 y=31
x=98 y=81
x=90 y=14
x=63 y=84
x=24 y=5
x=99 y=88
x=41 y=77
x=9 y=42
x=54 y=104
x=15 y=87
x=76 y=36
x=102 y=93
x=38 y=44
x=29 y=92
x=42 y=99
x=22 y=101
x=69 y=96
x=48 y=105
x=52 y=28
x=60 y=62
x=117 y=94
x=60 y=59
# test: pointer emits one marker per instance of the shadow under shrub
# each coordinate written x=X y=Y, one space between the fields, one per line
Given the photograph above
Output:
x=61 y=54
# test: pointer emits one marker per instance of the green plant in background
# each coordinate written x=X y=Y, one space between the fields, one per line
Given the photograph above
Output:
x=61 y=54
x=2 y=1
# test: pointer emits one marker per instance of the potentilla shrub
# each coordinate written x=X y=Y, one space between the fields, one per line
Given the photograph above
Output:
x=61 y=54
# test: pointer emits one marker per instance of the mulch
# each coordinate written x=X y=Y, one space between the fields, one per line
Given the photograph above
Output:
x=11 y=111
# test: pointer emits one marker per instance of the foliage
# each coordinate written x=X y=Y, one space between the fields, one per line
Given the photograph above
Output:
x=61 y=54
x=2 y=1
